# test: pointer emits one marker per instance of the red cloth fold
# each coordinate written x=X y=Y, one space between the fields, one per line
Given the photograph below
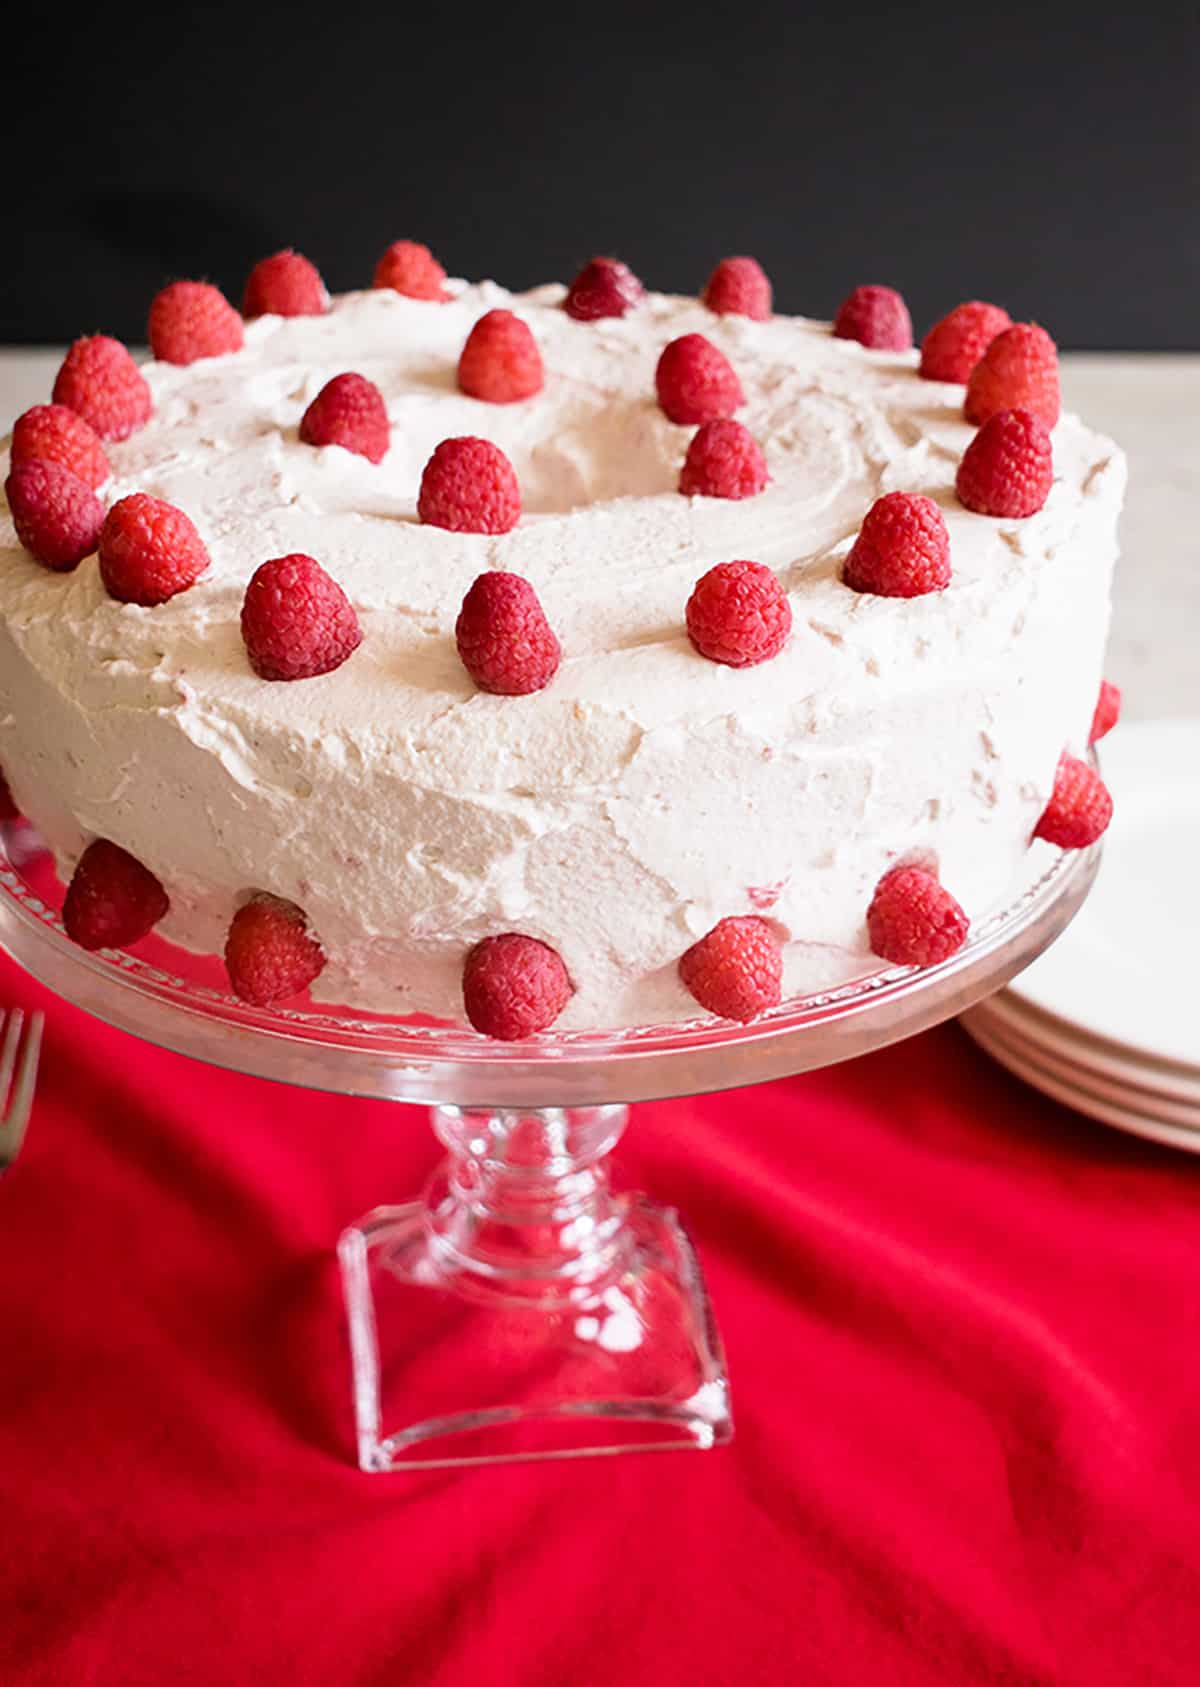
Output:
x=962 y=1328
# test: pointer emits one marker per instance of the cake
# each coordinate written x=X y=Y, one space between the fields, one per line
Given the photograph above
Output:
x=400 y=815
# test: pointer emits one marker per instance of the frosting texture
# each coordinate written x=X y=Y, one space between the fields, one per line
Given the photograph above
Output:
x=645 y=793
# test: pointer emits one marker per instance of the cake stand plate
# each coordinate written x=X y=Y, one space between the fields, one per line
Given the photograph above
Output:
x=518 y=1308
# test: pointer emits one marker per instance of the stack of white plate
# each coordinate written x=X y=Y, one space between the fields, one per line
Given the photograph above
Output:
x=1108 y=1019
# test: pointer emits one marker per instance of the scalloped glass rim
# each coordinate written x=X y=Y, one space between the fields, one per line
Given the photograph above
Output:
x=398 y=1060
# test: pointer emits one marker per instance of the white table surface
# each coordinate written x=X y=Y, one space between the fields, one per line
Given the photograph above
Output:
x=1149 y=403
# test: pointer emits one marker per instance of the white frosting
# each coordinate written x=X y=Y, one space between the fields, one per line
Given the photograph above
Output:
x=647 y=792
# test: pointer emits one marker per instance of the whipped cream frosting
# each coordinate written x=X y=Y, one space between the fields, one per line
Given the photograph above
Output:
x=647 y=792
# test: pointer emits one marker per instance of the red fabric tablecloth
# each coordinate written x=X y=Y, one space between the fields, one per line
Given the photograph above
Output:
x=963 y=1328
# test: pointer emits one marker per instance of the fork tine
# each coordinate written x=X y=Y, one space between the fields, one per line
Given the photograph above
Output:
x=8 y=1053
x=21 y=1100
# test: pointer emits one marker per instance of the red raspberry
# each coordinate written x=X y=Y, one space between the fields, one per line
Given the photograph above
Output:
x=953 y=346
x=8 y=808
x=149 y=550
x=297 y=622
x=408 y=267
x=469 y=486
x=876 y=317
x=52 y=433
x=112 y=900
x=1018 y=371
x=1079 y=809
x=500 y=362
x=193 y=319
x=696 y=382
x=1008 y=468
x=902 y=549
x=100 y=381
x=1108 y=712
x=514 y=986
x=57 y=516
x=913 y=921
x=348 y=411
x=269 y=954
x=736 y=970
x=285 y=284
x=724 y=460
x=503 y=637
x=739 y=614
x=738 y=287
x=603 y=287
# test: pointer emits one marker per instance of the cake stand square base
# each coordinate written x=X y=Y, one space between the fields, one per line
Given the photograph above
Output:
x=453 y=1369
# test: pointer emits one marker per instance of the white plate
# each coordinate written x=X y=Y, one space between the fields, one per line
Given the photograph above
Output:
x=1109 y=1112
x=1128 y=969
x=1019 y=1023
x=1083 y=1081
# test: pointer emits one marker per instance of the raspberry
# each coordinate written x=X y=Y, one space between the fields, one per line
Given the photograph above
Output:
x=913 y=921
x=876 y=317
x=724 y=460
x=348 y=411
x=1108 y=712
x=193 y=319
x=408 y=267
x=503 y=637
x=1008 y=468
x=57 y=516
x=736 y=971
x=738 y=287
x=739 y=614
x=269 y=954
x=902 y=549
x=52 y=433
x=112 y=900
x=100 y=381
x=500 y=362
x=297 y=622
x=8 y=808
x=1018 y=371
x=514 y=986
x=469 y=486
x=285 y=284
x=1079 y=809
x=149 y=550
x=696 y=382
x=953 y=346
x=603 y=287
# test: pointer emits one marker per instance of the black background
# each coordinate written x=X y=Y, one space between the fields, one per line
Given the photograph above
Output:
x=1045 y=159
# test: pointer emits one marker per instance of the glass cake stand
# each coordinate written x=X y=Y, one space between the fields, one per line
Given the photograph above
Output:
x=519 y=1308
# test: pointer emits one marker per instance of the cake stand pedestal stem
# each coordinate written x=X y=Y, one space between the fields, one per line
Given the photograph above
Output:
x=521 y=1309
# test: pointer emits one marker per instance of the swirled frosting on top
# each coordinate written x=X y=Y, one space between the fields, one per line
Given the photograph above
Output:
x=646 y=793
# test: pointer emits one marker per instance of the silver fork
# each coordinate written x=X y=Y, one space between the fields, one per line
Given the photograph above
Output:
x=19 y=1053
